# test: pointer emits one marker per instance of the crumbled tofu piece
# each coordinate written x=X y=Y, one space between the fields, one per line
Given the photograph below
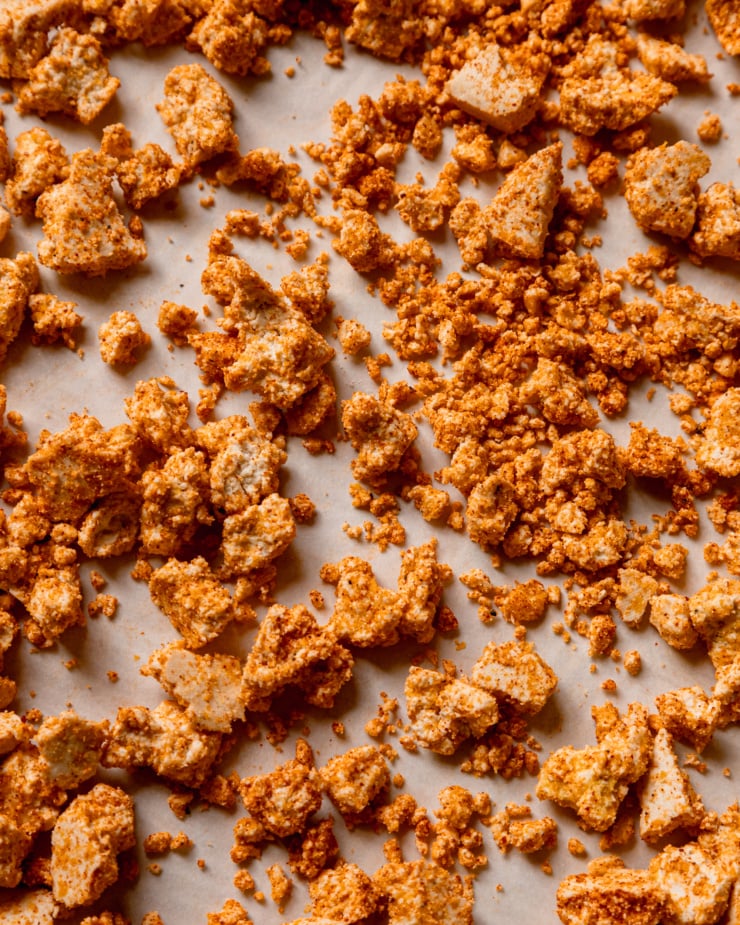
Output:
x=193 y=600
x=696 y=878
x=519 y=215
x=233 y=36
x=343 y=893
x=147 y=174
x=648 y=10
x=491 y=510
x=32 y=907
x=418 y=891
x=715 y=613
x=366 y=614
x=380 y=434
x=444 y=712
x=110 y=528
x=611 y=895
x=24 y=30
x=560 y=396
x=667 y=798
x=634 y=593
x=594 y=780
x=385 y=30
x=39 y=161
x=292 y=650
x=16 y=845
x=13 y=731
x=244 y=466
x=614 y=100
x=252 y=538
x=71 y=746
x=361 y=242
x=121 y=337
x=177 y=321
x=669 y=614
x=515 y=673
x=501 y=85
x=232 y=913
x=354 y=779
x=174 y=502
x=54 y=604
x=660 y=186
x=717 y=231
x=314 y=850
x=164 y=739
x=85 y=842
x=19 y=278
x=723 y=17
x=283 y=800
x=353 y=336
x=671 y=62
x=73 y=79
x=198 y=114
x=53 y=319
x=99 y=244
x=159 y=412
x=512 y=827
x=269 y=346
x=689 y=714
x=208 y=687
x=719 y=449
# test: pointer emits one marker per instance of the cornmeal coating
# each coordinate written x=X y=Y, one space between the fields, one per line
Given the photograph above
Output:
x=233 y=37
x=667 y=798
x=53 y=319
x=660 y=186
x=723 y=18
x=519 y=215
x=244 y=465
x=444 y=711
x=147 y=174
x=208 y=687
x=343 y=893
x=165 y=739
x=671 y=62
x=501 y=85
x=717 y=232
x=253 y=538
x=616 y=100
x=291 y=649
x=19 y=279
x=380 y=434
x=39 y=161
x=423 y=893
x=594 y=780
x=355 y=778
x=100 y=241
x=197 y=604
x=85 y=842
x=515 y=673
x=24 y=32
x=283 y=800
x=269 y=346
x=71 y=746
x=198 y=113
x=174 y=502
x=689 y=714
x=73 y=79
x=120 y=337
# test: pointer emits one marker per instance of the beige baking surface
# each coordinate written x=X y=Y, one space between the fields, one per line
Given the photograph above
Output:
x=47 y=384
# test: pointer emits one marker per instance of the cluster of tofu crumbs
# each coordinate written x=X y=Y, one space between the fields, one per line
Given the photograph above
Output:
x=518 y=361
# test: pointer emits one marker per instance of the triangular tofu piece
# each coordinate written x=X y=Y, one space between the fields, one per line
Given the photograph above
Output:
x=667 y=798
x=519 y=216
